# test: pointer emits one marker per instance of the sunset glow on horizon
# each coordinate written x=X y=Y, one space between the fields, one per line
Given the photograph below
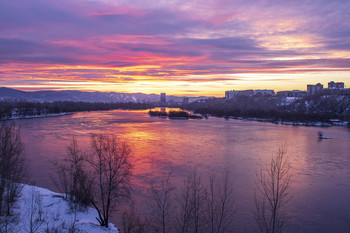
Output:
x=183 y=48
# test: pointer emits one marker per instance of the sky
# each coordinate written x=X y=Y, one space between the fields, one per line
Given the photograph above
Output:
x=181 y=47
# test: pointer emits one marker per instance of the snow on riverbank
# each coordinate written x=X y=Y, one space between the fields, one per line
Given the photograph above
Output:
x=17 y=117
x=47 y=211
x=295 y=123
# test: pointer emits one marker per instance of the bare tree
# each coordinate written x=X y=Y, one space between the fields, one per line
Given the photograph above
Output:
x=33 y=215
x=191 y=203
x=9 y=223
x=110 y=171
x=12 y=168
x=161 y=207
x=133 y=223
x=220 y=208
x=73 y=179
x=99 y=177
x=272 y=194
x=198 y=207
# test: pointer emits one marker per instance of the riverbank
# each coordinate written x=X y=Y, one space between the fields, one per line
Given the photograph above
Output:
x=41 y=210
x=185 y=115
x=38 y=116
x=10 y=110
x=295 y=123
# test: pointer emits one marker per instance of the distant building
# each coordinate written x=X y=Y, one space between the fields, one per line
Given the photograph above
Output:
x=228 y=95
x=163 y=97
x=313 y=89
x=334 y=85
x=295 y=93
x=245 y=93
x=264 y=92
x=231 y=94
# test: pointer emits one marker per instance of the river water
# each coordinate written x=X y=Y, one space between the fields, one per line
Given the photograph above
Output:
x=321 y=169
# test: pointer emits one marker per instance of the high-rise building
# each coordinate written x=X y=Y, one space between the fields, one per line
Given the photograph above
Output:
x=232 y=94
x=295 y=93
x=264 y=92
x=163 y=97
x=313 y=89
x=334 y=85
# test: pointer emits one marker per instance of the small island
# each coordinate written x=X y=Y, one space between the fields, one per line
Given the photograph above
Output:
x=174 y=114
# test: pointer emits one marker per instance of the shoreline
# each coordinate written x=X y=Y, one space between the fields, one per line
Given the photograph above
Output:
x=38 y=116
x=63 y=114
x=205 y=116
x=294 y=123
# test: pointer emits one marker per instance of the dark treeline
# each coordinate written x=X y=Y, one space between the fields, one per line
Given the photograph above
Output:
x=10 y=110
x=317 y=108
x=171 y=114
x=321 y=107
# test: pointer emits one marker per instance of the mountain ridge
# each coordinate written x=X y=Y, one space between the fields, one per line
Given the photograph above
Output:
x=84 y=96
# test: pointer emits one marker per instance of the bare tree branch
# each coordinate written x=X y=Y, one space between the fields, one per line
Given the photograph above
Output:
x=13 y=170
x=111 y=170
x=272 y=194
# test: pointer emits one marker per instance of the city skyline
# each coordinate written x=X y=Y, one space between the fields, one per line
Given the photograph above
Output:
x=183 y=48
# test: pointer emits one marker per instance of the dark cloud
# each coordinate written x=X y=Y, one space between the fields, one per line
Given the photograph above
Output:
x=18 y=50
x=18 y=47
x=234 y=43
x=119 y=63
x=168 y=51
x=152 y=23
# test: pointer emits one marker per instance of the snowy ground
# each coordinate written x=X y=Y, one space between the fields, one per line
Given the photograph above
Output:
x=16 y=117
x=45 y=211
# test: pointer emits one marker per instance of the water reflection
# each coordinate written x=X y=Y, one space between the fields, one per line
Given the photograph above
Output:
x=321 y=169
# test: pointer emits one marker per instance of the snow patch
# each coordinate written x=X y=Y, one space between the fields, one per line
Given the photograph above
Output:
x=43 y=209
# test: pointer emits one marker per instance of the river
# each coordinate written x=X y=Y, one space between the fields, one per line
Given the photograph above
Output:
x=320 y=169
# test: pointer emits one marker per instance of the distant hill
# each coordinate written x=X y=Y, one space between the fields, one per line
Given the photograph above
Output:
x=106 y=97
